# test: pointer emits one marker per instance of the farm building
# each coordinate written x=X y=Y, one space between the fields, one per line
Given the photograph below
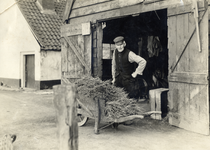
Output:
x=172 y=35
x=30 y=43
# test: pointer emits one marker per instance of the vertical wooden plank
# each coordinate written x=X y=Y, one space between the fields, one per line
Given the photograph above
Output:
x=175 y=97
x=203 y=101
x=71 y=118
x=181 y=100
x=64 y=46
x=185 y=31
x=194 y=94
x=99 y=49
x=173 y=104
x=60 y=108
x=191 y=26
x=172 y=41
x=81 y=44
x=65 y=107
x=203 y=105
x=71 y=62
x=179 y=41
x=204 y=108
x=194 y=51
x=187 y=100
x=170 y=97
x=88 y=50
x=185 y=64
x=76 y=62
x=204 y=41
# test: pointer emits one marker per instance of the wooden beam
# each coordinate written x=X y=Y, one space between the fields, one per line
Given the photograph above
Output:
x=69 y=29
x=85 y=3
x=74 y=26
x=101 y=7
x=112 y=12
x=66 y=114
x=99 y=31
x=151 y=1
x=94 y=9
x=68 y=9
x=189 y=77
x=116 y=4
x=186 y=8
x=122 y=3
x=71 y=118
x=126 y=3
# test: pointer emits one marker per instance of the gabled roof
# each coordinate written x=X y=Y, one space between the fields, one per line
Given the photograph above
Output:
x=45 y=27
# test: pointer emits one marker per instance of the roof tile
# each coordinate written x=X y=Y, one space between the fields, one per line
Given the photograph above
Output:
x=46 y=27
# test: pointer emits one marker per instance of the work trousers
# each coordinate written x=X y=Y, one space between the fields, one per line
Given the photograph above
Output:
x=133 y=86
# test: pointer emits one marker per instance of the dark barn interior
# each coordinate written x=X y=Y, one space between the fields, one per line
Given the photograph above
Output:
x=146 y=35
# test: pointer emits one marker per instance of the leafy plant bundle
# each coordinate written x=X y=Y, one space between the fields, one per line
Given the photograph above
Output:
x=116 y=99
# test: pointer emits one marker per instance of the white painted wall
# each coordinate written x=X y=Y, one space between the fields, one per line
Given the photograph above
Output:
x=15 y=37
x=16 y=41
x=50 y=62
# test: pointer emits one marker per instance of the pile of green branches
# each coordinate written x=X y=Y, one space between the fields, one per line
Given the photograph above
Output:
x=116 y=99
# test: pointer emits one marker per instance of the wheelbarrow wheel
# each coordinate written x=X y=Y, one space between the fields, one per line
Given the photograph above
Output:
x=82 y=120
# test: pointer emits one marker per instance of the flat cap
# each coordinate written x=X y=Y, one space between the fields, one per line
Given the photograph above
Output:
x=118 y=39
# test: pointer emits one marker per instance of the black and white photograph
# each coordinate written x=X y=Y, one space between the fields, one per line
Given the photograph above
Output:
x=104 y=74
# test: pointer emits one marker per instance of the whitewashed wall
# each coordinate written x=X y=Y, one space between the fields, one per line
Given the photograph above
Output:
x=15 y=37
x=17 y=40
x=50 y=62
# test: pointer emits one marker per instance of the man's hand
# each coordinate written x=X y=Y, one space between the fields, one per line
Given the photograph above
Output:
x=113 y=81
x=134 y=75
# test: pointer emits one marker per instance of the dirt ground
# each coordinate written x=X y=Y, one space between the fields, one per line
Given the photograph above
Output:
x=30 y=115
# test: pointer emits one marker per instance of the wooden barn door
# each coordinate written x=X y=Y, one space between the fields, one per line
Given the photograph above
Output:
x=188 y=69
x=81 y=54
x=75 y=56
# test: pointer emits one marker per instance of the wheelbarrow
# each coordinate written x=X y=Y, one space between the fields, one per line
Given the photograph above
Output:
x=95 y=109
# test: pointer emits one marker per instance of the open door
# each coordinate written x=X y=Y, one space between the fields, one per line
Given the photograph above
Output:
x=81 y=53
x=188 y=68
x=75 y=55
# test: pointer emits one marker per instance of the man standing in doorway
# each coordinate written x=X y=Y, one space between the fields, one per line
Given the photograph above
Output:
x=123 y=72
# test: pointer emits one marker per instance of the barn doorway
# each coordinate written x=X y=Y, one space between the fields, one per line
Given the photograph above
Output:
x=29 y=71
x=146 y=35
x=140 y=32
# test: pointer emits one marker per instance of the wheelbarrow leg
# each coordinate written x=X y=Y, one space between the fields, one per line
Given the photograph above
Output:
x=97 y=116
x=115 y=125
